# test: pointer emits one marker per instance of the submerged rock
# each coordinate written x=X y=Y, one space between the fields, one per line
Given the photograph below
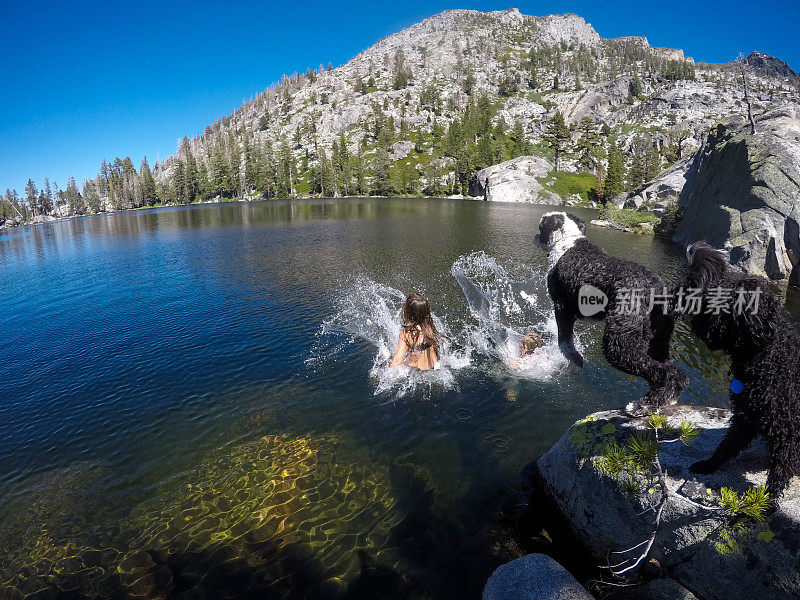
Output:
x=742 y=195
x=514 y=180
x=697 y=542
x=533 y=577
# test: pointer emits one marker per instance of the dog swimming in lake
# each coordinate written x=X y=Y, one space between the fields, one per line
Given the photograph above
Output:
x=634 y=341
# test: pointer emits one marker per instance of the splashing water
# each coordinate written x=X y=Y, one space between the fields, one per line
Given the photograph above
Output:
x=371 y=311
x=504 y=310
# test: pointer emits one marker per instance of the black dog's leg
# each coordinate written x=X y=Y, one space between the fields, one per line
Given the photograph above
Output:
x=566 y=321
x=783 y=464
x=662 y=326
x=626 y=345
x=740 y=434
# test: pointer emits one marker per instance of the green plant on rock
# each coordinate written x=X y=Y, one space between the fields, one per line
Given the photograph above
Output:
x=744 y=511
x=752 y=504
x=638 y=466
x=614 y=460
x=644 y=448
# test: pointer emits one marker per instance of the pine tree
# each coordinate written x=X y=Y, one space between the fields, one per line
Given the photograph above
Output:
x=433 y=186
x=402 y=73
x=652 y=162
x=75 y=200
x=192 y=188
x=46 y=198
x=612 y=184
x=381 y=184
x=588 y=145
x=286 y=172
x=149 y=196
x=518 y=145
x=32 y=196
x=636 y=170
x=179 y=183
x=360 y=171
x=635 y=87
x=557 y=135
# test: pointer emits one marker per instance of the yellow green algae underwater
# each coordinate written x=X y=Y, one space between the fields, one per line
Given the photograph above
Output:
x=260 y=516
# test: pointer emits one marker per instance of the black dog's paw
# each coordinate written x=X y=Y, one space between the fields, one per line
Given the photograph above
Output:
x=640 y=408
x=703 y=467
x=572 y=354
x=576 y=357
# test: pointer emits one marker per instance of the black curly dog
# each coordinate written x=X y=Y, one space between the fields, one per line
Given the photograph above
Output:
x=765 y=364
x=636 y=342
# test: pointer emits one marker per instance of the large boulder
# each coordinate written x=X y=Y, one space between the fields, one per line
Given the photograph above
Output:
x=533 y=577
x=742 y=194
x=696 y=542
x=514 y=180
x=667 y=187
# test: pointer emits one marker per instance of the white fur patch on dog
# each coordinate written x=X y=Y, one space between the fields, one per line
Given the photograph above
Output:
x=561 y=239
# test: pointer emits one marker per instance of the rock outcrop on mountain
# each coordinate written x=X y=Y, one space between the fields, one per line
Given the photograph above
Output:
x=743 y=194
x=600 y=478
x=769 y=65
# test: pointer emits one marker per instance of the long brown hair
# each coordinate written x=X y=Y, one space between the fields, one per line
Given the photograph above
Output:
x=416 y=312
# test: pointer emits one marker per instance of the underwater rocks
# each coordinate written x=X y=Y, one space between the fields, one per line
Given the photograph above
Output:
x=277 y=515
x=533 y=577
x=514 y=180
x=609 y=498
x=742 y=193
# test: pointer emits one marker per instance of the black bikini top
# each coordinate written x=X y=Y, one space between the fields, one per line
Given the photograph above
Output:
x=421 y=347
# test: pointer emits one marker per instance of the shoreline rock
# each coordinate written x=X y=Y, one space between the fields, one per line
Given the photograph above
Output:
x=533 y=577
x=695 y=541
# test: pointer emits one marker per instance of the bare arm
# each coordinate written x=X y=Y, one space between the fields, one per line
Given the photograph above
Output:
x=402 y=348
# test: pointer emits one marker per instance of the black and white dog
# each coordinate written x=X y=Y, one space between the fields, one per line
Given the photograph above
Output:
x=636 y=341
x=764 y=348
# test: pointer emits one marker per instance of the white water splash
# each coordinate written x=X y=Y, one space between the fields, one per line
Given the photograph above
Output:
x=504 y=310
x=371 y=311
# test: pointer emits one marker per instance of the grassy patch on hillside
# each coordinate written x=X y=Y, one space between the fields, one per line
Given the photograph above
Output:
x=566 y=184
x=543 y=149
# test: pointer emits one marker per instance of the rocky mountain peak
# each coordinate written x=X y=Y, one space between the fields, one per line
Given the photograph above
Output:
x=769 y=65
x=569 y=28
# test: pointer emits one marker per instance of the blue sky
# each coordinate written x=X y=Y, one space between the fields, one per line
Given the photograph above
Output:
x=84 y=81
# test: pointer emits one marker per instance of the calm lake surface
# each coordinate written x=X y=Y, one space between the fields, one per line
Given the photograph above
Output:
x=195 y=398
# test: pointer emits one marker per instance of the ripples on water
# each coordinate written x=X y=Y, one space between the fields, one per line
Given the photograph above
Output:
x=197 y=400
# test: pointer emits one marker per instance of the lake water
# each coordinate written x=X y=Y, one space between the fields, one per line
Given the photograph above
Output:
x=196 y=398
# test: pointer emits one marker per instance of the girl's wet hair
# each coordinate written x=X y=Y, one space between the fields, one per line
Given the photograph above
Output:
x=531 y=341
x=416 y=312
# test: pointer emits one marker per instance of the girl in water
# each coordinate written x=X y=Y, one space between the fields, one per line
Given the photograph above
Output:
x=418 y=344
x=528 y=346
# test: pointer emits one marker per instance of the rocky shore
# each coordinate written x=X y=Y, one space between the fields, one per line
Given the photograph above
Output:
x=658 y=522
